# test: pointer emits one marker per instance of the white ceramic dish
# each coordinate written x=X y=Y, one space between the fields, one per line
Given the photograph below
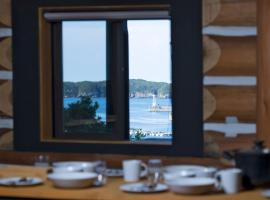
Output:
x=198 y=185
x=266 y=193
x=62 y=169
x=197 y=170
x=20 y=181
x=176 y=175
x=141 y=188
x=85 y=166
x=73 y=179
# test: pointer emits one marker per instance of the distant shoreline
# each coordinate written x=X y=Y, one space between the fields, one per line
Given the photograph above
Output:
x=146 y=97
x=137 y=88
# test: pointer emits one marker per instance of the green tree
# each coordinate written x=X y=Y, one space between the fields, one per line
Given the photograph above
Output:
x=83 y=109
x=81 y=116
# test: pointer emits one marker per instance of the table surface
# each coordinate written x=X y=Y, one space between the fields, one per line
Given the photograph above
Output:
x=108 y=192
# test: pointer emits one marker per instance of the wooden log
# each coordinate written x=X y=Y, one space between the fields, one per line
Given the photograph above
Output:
x=5 y=12
x=230 y=12
x=242 y=141
x=6 y=141
x=263 y=100
x=5 y=54
x=238 y=101
x=211 y=9
x=237 y=57
x=211 y=53
x=6 y=99
x=209 y=104
x=2 y=81
x=3 y=130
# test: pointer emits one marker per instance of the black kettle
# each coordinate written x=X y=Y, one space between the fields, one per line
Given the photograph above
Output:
x=255 y=164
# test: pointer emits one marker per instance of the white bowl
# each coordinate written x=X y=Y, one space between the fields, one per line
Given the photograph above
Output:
x=198 y=185
x=198 y=170
x=207 y=172
x=176 y=175
x=85 y=166
x=63 y=169
x=72 y=179
x=177 y=168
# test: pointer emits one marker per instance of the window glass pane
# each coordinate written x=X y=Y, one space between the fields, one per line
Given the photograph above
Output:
x=84 y=76
x=150 y=80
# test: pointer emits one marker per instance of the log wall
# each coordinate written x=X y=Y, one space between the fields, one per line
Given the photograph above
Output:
x=6 y=134
x=228 y=55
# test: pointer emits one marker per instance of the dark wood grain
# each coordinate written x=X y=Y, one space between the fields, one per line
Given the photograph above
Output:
x=263 y=98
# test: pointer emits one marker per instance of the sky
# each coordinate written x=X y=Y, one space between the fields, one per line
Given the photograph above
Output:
x=84 y=50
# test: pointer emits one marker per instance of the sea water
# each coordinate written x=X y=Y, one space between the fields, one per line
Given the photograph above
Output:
x=140 y=116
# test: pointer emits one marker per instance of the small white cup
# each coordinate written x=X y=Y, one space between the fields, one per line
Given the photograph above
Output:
x=230 y=180
x=132 y=170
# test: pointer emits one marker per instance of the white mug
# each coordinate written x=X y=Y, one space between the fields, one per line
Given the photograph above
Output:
x=132 y=170
x=230 y=180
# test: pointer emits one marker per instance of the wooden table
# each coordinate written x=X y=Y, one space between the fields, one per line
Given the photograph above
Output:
x=109 y=192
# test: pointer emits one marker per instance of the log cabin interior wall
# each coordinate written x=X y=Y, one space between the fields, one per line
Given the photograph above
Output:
x=6 y=135
x=230 y=74
x=229 y=68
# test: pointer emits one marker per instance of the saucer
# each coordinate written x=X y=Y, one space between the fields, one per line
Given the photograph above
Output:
x=20 y=181
x=142 y=188
x=266 y=193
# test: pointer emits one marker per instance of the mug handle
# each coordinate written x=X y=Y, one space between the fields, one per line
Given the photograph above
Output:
x=145 y=171
x=218 y=183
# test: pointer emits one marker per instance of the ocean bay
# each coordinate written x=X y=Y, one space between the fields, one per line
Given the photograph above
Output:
x=140 y=116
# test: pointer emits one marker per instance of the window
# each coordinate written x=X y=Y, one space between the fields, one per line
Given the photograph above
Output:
x=112 y=75
x=84 y=96
x=150 y=107
x=119 y=82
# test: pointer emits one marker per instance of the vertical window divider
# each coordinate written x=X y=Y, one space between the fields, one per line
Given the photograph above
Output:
x=57 y=86
x=118 y=64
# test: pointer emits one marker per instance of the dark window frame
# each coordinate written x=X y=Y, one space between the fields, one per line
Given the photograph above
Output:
x=186 y=78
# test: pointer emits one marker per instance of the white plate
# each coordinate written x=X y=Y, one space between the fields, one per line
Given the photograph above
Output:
x=197 y=170
x=266 y=193
x=20 y=181
x=141 y=188
x=72 y=179
x=197 y=185
x=86 y=166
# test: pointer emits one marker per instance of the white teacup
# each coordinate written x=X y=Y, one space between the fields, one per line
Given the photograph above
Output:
x=230 y=180
x=132 y=170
